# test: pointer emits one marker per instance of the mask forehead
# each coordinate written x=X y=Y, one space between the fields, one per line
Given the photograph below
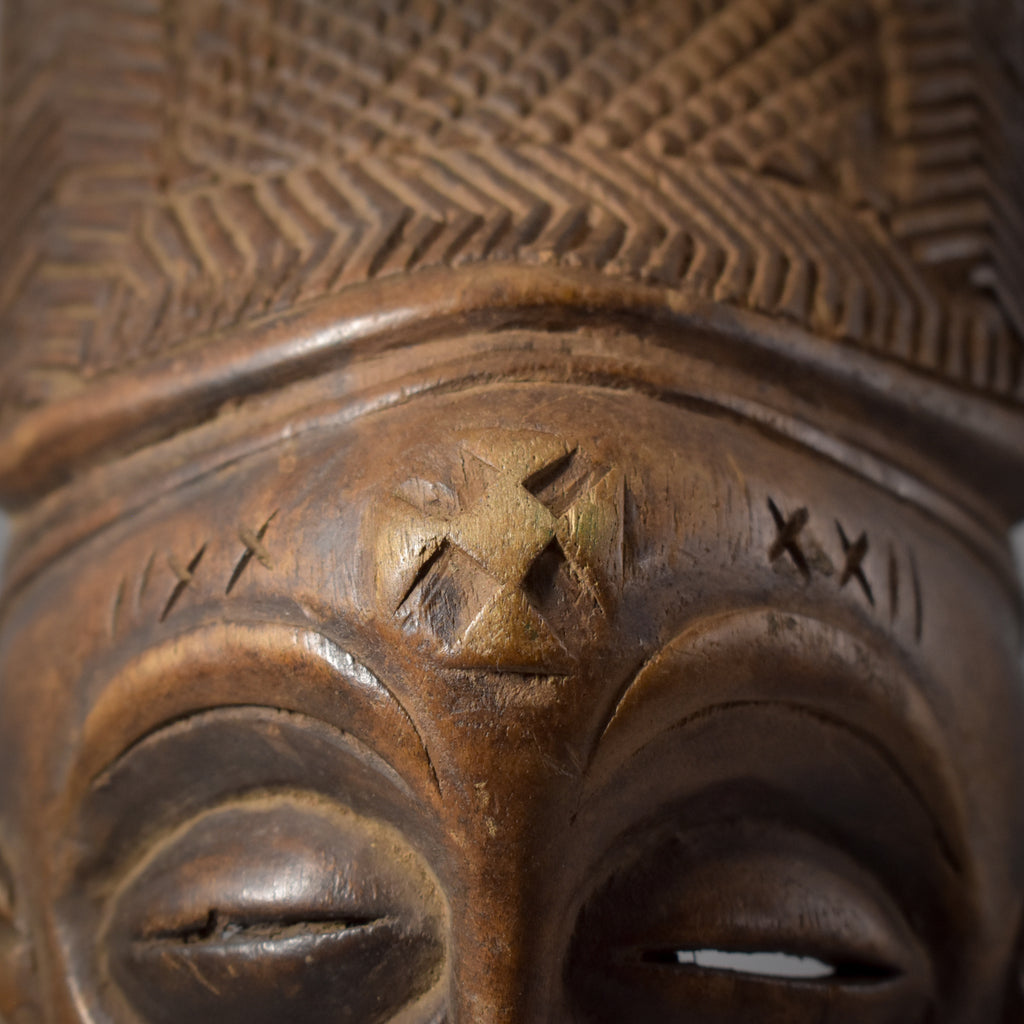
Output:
x=485 y=562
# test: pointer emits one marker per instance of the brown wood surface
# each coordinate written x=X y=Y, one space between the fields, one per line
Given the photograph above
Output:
x=509 y=512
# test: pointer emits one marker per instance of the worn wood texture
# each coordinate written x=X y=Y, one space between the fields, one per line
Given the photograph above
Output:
x=510 y=507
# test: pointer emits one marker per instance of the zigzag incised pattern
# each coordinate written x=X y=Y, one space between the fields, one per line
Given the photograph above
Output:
x=212 y=160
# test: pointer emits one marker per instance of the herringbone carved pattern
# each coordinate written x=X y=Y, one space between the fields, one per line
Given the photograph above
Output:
x=183 y=167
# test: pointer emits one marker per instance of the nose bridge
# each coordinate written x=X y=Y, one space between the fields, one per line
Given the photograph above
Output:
x=506 y=956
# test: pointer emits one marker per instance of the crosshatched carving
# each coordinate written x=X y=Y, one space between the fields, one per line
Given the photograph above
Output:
x=220 y=160
x=507 y=561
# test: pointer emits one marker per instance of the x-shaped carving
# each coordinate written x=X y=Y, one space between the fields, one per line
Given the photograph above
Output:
x=787 y=541
x=854 y=553
x=467 y=560
x=787 y=538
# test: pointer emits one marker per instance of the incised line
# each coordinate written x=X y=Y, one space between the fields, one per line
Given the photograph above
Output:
x=787 y=537
x=185 y=576
x=254 y=548
x=855 y=553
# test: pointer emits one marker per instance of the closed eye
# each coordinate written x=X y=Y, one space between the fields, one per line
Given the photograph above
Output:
x=273 y=898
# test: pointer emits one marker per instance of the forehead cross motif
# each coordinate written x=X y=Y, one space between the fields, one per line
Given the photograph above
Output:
x=505 y=562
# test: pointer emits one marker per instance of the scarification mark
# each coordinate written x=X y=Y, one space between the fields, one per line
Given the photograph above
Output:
x=115 y=611
x=561 y=484
x=424 y=571
x=855 y=553
x=254 y=548
x=147 y=572
x=537 y=482
x=787 y=536
x=501 y=572
x=185 y=576
x=894 y=586
x=918 y=599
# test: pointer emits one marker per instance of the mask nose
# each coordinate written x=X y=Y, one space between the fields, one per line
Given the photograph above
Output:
x=506 y=960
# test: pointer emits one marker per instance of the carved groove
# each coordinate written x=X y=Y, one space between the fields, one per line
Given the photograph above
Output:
x=788 y=531
x=115 y=611
x=918 y=599
x=503 y=566
x=423 y=572
x=254 y=548
x=894 y=586
x=855 y=553
x=185 y=577
x=147 y=572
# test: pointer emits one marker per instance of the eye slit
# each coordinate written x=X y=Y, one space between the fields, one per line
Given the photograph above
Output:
x=218 y=929
x=765 y=965
x=773 y=965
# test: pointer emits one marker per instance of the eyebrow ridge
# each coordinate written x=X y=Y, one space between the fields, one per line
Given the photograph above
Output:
x=346 y=665
x=254 y=638
x=749 y=616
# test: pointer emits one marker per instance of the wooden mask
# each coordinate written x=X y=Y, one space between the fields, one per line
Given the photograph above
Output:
x=510 y=504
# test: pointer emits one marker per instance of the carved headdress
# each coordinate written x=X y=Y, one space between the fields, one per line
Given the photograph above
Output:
x=812 y=210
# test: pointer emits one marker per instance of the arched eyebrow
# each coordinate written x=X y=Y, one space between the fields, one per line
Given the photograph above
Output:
x=764 y=656
x=272 y=665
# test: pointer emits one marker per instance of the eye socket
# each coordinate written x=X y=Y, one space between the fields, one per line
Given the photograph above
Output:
x=745 y=921
x=261 y=910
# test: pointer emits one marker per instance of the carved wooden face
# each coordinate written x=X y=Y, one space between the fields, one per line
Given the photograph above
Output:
x=536 y=703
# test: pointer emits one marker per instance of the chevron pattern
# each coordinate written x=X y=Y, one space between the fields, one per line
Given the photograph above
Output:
x=84 y=104
x=183 y=168
x=960 y=146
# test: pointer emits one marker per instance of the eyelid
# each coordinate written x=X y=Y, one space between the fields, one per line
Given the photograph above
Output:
x=180 y=771
x=267 y=894
x=741 y=889
x=268 y=858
